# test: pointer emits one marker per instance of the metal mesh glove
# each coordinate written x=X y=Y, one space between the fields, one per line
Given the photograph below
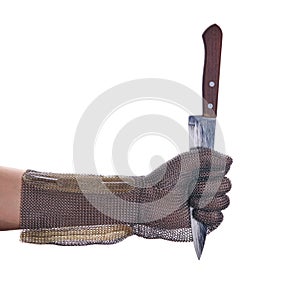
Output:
x=72 y=209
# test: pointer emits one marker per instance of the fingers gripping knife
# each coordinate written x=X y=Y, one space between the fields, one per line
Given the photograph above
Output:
x=202 y=128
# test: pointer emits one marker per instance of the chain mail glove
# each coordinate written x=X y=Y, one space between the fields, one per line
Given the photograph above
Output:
x=73 y=209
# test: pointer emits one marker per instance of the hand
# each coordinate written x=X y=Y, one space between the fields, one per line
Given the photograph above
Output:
x=195 y=178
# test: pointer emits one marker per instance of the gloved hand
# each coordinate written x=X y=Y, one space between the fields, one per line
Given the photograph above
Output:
x=87 y=209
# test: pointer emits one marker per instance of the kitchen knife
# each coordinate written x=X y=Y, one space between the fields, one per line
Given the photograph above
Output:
x=202 y=128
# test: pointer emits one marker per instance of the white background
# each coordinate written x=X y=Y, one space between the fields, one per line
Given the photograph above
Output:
x=58 y=56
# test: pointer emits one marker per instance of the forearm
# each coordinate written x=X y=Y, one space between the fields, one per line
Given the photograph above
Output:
x=10 y=197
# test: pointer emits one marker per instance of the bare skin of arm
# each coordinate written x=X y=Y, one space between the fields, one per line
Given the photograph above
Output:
x=10 y=198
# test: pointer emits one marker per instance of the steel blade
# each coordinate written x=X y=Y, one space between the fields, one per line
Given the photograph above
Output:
x=201 y=134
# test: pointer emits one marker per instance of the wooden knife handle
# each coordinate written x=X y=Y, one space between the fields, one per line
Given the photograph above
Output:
x=212 y=38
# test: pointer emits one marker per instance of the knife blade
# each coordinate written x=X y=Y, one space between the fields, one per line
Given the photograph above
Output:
x=202 y=128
